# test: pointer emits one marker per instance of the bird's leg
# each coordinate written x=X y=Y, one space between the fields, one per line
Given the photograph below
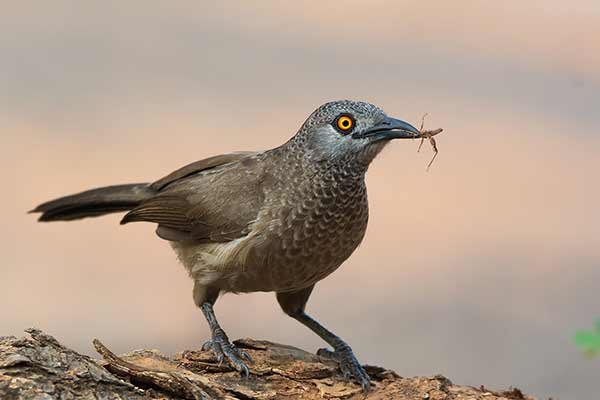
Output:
x=342 y=352
x=293 y=304
x=219 y=343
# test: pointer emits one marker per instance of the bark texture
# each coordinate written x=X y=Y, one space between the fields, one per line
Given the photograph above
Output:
x=40 y=368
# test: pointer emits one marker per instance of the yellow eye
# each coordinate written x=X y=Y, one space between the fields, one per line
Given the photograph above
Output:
x=345 y=123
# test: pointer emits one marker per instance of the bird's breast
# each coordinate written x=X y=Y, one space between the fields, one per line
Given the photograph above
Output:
x=303 y=235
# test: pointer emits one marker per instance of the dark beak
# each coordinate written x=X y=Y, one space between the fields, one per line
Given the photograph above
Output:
x=390 y=128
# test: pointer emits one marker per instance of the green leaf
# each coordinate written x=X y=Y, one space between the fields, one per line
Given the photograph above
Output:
x=588 y=341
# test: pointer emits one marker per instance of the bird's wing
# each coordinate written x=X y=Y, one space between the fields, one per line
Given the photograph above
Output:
x=214 y=200
x=199 y=166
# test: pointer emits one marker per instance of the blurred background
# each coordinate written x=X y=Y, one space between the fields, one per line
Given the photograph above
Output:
x=481 y=269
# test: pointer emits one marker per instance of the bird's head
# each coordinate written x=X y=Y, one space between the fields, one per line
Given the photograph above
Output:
x=349 y=131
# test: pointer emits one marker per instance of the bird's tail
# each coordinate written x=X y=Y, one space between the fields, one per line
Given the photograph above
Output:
x=94 y=202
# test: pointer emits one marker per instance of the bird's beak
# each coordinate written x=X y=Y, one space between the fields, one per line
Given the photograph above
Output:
x=390 y=128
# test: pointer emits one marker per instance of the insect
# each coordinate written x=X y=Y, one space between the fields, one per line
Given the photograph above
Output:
x=429 y=135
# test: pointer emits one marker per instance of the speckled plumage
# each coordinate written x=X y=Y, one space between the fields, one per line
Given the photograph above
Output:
x=278 y=220
x=305 y=222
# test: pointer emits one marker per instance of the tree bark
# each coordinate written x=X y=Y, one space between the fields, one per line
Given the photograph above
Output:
x=40 y=368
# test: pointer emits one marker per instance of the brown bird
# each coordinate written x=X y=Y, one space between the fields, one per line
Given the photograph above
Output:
x=278 y=220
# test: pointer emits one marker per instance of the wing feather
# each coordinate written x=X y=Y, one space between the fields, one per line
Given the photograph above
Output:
x=199 y=166
x=192 y=204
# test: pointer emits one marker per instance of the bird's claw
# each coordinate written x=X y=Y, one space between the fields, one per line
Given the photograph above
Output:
x=224 y=349
x=349 y=365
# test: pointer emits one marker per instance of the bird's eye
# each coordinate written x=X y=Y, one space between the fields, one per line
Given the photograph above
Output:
x=344 y=123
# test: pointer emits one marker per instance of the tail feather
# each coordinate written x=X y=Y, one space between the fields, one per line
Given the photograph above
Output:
x=94 y=202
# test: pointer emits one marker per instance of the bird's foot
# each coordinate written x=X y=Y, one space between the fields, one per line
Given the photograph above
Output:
x=224 y=349
x=349 y=364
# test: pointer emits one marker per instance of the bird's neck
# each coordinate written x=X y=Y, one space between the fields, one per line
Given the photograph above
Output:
x=297 y=154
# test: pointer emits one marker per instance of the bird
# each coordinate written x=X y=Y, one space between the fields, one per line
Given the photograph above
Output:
x=278 y=220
